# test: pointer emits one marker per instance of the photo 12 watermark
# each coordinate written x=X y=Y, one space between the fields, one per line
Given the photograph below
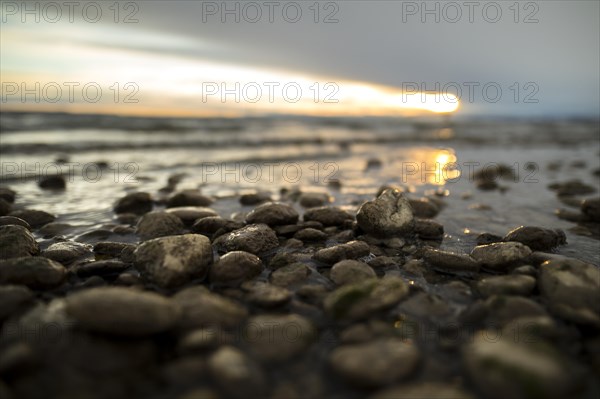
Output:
x=52 y=12
x=91 y=172
x=69 y=92
x=452 y=12
x=252 y=12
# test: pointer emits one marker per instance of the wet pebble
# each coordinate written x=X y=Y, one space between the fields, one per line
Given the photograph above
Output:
x=236 y=374
x=255 y=238
x=136 y=203
x=190 y=214
x=255 y=198
x=103 y=268
x=389 y=215
x=310 y=235
x=202 y=308
x=290 y=275
x=537 y=238
x=52 y=183
x=34 y=271
x=571 y=187
x=188 y=198
x=427 y=229
x=500 y=256
x=336 y=253
x=7 y=194
x=158 y=224
x=16 y=241
x=375 y=364
x=312 y=200
x=488 y=238
x=450 y=262
x=506 y=285
x=235 y=267
x=273 y=214
x=34 y=217
x=5 y=207
x=122 y=311
x=67 y=252
x=266 y=295
x=14 y=298
x=328 y=216
x=107 y=249
x=8 y=220
x=590 y=207
x=424 y=208
x=175 y=260
x=350 y=271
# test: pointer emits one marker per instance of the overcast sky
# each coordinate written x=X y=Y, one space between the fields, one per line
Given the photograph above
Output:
x=544 y=56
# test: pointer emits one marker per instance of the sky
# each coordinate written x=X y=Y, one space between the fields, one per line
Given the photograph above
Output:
x=205 y=58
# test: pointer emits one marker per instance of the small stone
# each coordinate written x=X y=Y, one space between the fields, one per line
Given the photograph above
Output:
x=67 y=252
x=502 y=309
x=526 y=270
x=487 y=238
x=350 y=272
x=427 y=390
x=34 y=217
x=328 y=216
x=427 y=229
x=190 y=214
x=265 y=294
x=424 y=208
x=572 y=289
x=350 y=250
x=390 y=215
x=16 y=241
x=212 y=224
x=107 y=249
x=52 y=183
x=360 y=300
x=450 y=262
x=257 y=239
x=122 y=311
x=373 y=163
x=505 y=369
x=255 y=198
x=501 y=255
x=54 y=229
x=537 y=238
x=290 y=275
x=506 y=285
x=158 y=224
x=204 y=309
x=236 y=374
x=375 y=364
x=7 y=194
x=188 y=198
x=273 y=214
x=235 y=267
x=103 y=268
x=591 y=209
x=5 y=207
x=8 y=220
x=277 y=338
x=571 y=187
x=310 y=235
x=137 y=203
x=35 y=272
x=173 y=261
x=14 y=298
x=312 y=200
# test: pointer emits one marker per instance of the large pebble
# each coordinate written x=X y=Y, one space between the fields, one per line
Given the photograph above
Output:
x=590 y=207
x=328 y=216
x=236 y=374
x=273 y=214
x=137 y=203
x=266 y=295
x=122 y=311
x=255 y=238
x=427 y=229
x=34 y=217
x=173 y=261
x=235 y=267
x=424 y=208
x=537 y=238
x=158 y=224
x=312 y=200
x=13 y=298
x=336 y=253
x=289 y=275
x=350 y=271
x=450 y=262
x=375 y=364
x=360 y=300
x=190 y=214
x=390 y=215
x=500 y=255
x=35 y=272
x=16 y=241
x=202 y=308
x=518 y=284
x=67 y=252
x=188 y=198
x=8 y=220
x=572 y=289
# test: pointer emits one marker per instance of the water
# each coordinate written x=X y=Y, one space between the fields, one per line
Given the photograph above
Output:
x=227 y=157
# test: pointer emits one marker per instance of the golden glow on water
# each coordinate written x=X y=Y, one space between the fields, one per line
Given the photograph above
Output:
x=424 y=165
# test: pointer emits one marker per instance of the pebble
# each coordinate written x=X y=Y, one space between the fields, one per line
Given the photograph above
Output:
x=188 y=198
x=107 y=249
x=537 y=238
x=8 y=220
x=204 y=309
x=290 y=275
x=212 y=224
x=122 y=311
x=173 y=261
x=502 y=309
x=236 y=374
x=350 y=271
x=278 y=338
x=273 y=214
x=571 y=187
x=67 y=252
x=310 y=235
x=7 y=194
x=328 y=216
x=235 y=267
x=572 y=289
x=487 y=238
x=427 y=229
x=257 y=239
x=336 y=253
x=360 y=300
x=190 y=214
x=375 y=364
x=501 y=255
x=103 y=268
x=450 y=262
x=426 y=390
x=34 y=217
x=14 y=298
x=424 y=208
x=590 y=207
x=5 y=207
x=35 y=272
x=502 y=368
x=313 y=200
x=16 y=241
x=158 y=224
x=266 y=295
x=518 y=284
x=52 y=183
x=255 y=198
x=136 y=203
x=390 y=215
